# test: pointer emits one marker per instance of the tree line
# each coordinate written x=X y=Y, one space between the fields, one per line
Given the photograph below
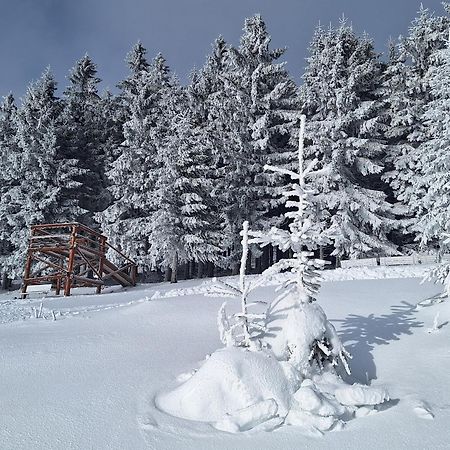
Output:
x=170 y=172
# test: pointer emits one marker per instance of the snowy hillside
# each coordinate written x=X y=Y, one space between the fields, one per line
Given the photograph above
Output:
x=90 y=378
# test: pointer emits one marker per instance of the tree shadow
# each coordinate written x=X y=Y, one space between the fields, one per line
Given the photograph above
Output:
x=360 y=335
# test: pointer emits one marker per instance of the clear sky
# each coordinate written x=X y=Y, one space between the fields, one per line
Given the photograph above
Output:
x=35 y=34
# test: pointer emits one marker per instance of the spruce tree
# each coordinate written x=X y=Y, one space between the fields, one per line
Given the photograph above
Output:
x=44 y=188
x=341 y=97
x=186 y=226
x=8 y=180
x=132 y=176
x=253 y=102
x=82 y=122
x=408 y=94
x=434 y=177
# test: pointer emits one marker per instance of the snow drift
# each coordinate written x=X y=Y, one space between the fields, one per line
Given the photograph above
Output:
x=230 y=380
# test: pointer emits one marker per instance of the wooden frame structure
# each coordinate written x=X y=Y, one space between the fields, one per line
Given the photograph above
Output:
x=73 y=255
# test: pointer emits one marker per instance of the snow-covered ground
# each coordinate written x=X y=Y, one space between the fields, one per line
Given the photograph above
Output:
x=89 y=379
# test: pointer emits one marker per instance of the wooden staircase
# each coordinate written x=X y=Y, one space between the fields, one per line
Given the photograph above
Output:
x=73 y=255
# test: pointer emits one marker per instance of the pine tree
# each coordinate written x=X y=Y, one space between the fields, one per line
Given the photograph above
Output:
x=133 y=175
x=44 y=188
x=341 y=97
x=409 y=93
x=8 y=180
x=434 y=178
x=186 y=226
x=82 y=122
x=254 y=101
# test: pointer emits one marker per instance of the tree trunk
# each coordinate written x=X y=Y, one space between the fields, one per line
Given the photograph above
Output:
x=321 y=252
x=266 y=258
x=167 y=274
x=338 y=262
x=174 y=277
x=258 y=267
x=235 y=269
x=200 y=269
x=6 y=282
x=191 y=271
x=210 y=269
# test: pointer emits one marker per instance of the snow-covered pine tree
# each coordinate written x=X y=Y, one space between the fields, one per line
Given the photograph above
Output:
x=250 y=102
x=216 y=114
x=345 y=130
x=82 y=122
x=302 y=333
x=187 y=224
x=408 y=94
x=44 y=190
x=133 y=175
x=434 y=159
x=270 y=98
x=8 y=179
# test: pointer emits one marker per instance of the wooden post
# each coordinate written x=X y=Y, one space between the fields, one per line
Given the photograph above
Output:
x=58 y=285
x=101 y=262
x=26 y=274
x=70 y=261
x=133 y=274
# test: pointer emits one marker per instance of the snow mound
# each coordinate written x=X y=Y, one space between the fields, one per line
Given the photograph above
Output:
x=234 y=387
x=359 y=395
x=292 y=329
x=237 y=390
x=251 y=417
x=325 y=402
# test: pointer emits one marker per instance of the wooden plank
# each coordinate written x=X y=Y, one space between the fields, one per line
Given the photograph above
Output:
x=426 y=259
x=89 y=281
x=397 y=261
x=362 y=262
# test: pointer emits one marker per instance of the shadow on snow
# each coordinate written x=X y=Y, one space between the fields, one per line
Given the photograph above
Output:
x=361 y=334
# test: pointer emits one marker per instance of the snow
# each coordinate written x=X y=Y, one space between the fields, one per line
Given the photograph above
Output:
x=226 y=383
x=90 y=378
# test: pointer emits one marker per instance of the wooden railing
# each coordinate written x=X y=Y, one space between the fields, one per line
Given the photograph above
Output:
x=72 y=255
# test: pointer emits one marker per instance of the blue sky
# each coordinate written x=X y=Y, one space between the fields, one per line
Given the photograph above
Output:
x=35 y=34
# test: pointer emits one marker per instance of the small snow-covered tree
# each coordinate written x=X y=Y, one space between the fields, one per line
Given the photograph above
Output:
x=302 y=333
x=242 y=329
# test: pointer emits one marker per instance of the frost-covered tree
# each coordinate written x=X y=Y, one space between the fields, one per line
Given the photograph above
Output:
x=44 y=190
x=434 y=159
x=250 y=102
x=244 y=328
x=8 y=179
x=408 y=93
x=133 y=175
x=341 y=98
x=82 y=123
x=301 y=333
x=187 y=224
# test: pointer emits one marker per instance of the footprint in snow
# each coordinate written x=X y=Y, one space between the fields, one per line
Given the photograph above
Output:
x=423 y=410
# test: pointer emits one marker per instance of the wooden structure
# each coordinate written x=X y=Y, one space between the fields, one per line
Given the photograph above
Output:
x=72 y=255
